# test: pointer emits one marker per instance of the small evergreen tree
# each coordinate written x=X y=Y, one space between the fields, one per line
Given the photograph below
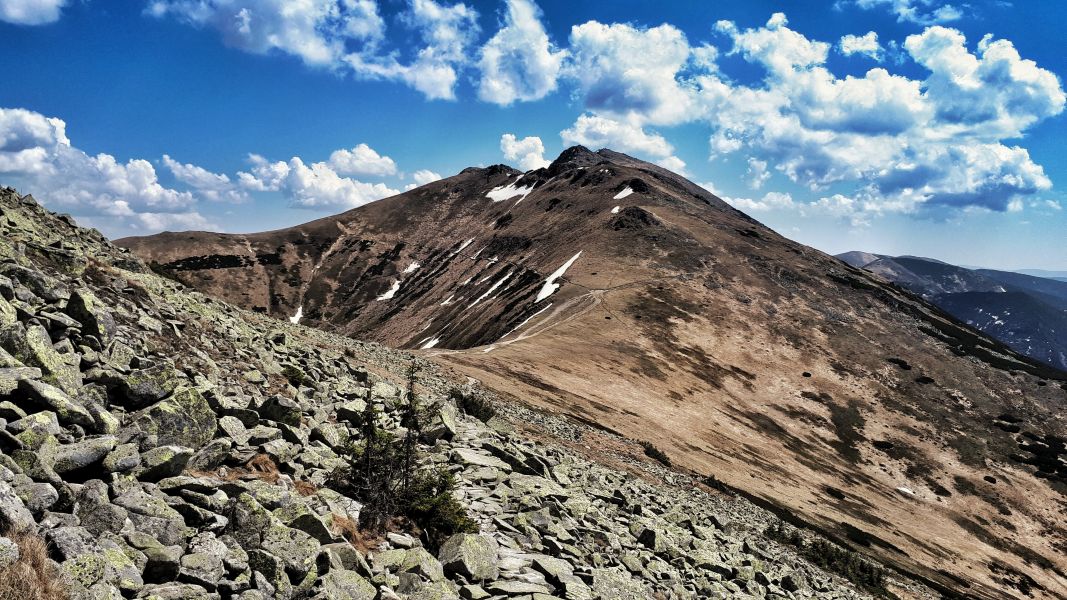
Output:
x=386 y=474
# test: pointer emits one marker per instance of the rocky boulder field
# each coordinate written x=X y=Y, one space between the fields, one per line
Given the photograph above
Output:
x=167 y=445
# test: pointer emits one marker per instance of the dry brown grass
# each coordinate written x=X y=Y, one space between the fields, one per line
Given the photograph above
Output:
x=305 y=488
x=32 y=576
x=362 y=541
x=261 y=467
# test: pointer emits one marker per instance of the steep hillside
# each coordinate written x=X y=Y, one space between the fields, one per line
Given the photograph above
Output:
x=619 y=293
x=1026 y=313
x=167 y=445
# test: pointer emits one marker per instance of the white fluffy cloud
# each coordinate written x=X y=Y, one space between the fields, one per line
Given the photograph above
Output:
x=866 y=45
x=757 y=173
x=344 y=35
x=421 y=178
x=211 y=186
x=519 y=63
x=626 y=72
x=922 y=12
x=316 y=31
x=31 y=12
x=529 y=151
x=596 y=131
x=904 y=144
x=424 y=176
x=362 y=160
x=316 y=185
x=37 y=156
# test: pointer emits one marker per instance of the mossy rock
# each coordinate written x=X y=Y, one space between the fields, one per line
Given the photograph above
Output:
x=184 y=419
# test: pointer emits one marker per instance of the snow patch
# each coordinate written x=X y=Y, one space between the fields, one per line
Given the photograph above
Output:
x=550 y=284
x=430 y=344
x=527 y=320
x=491 y=289
x=505 y=192
x=615 y=210
x=624 y=193
x=463 y=246
x=905 y=490
x=448 y=300
x=410 y=268
x=391 y=291
x=295 y=319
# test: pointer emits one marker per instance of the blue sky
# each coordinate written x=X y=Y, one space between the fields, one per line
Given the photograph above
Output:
x=894 y=126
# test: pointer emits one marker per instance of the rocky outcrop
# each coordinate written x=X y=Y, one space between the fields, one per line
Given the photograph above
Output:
x=162 y=444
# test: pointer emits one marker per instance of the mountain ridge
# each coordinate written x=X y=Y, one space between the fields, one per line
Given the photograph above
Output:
x=1037 y=306
x=680 y=321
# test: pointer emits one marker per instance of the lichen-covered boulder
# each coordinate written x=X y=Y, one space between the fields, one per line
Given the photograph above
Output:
x=79 y=455
x=69 y=411
x=163 y=461
x=184 y=419
x=340 y=584
x=421 y=562
x=146 y=386
x=9 y=552
x=12 y=510
x=33 y=347
x=96 y=320
x=470 y=555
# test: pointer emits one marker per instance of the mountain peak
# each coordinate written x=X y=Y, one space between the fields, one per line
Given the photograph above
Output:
x=575 y=156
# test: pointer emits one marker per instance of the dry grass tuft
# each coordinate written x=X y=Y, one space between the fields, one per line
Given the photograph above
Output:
x=364 y=541
x=32 y=576
x=305 y=488
x=261 y=467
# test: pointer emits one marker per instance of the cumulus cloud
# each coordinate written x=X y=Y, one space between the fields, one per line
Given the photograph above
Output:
x=529 y=151
x=628 y=72
x=922 y=12
x=596 y=131
x=37 y=156
x=519 y=63
x=342 y=35
x=905 y=144
x=315 y=186
x=770 y=201
x=211 y=186
x=362 y=160
x=865 y=45
x=31 y=12
x=424 y=176
x=315 y=31
x=757 y=173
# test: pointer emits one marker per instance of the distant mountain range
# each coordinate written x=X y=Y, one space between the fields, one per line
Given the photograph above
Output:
x=1026 y=312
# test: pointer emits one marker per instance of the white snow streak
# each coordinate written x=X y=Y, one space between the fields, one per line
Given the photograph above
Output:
x=904 y=490
x=448 y=300
x=624 y=193
x=527 y=320
x=414 y=265
x=430 y=344
x=295 y=319
x=463 y=246
x=615 y=210
x=550 y=284
x=491 y=289
x=391 y=291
